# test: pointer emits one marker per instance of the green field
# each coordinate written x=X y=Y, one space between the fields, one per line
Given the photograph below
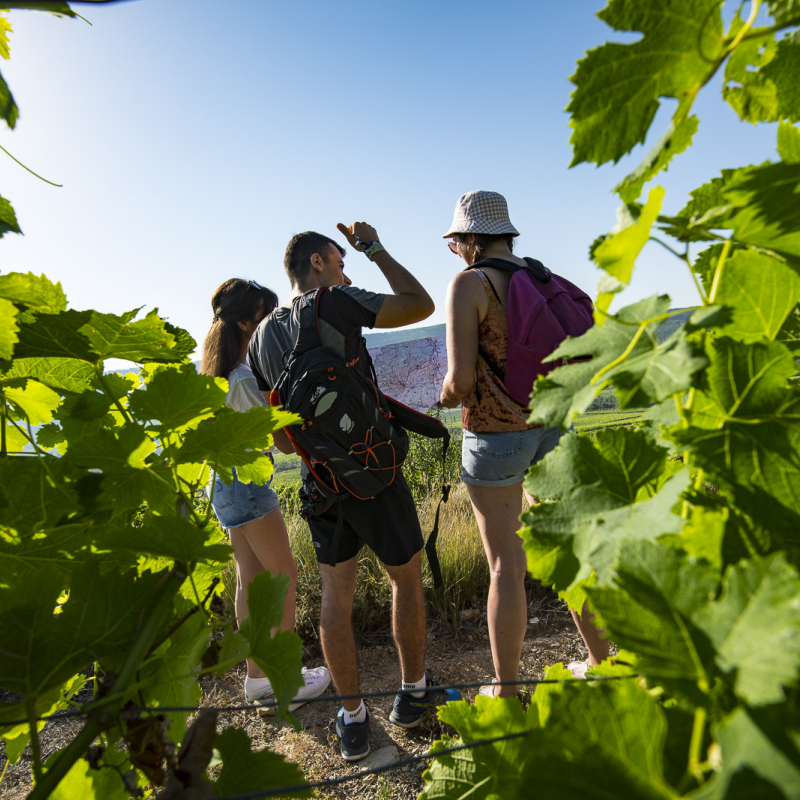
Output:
x=287 y=468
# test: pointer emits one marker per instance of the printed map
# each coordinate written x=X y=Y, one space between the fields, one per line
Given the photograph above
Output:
x=412 y=371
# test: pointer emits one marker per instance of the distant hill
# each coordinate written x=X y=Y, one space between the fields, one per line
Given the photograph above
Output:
x=665 y=329
x=403 y=335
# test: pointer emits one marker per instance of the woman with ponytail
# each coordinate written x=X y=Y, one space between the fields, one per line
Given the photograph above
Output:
x=250 y=512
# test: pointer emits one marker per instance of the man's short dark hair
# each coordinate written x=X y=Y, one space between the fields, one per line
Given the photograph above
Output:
x=297 y=258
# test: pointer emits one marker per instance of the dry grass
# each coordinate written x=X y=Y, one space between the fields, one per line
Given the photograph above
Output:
x=464 y=570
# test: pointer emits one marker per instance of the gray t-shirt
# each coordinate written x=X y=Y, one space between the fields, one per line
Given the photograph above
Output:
x=343 y=311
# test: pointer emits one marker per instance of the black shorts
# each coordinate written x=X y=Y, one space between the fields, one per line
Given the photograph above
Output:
x=388 y=524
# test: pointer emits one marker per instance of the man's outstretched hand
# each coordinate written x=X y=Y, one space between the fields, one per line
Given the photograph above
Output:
x=357 y=234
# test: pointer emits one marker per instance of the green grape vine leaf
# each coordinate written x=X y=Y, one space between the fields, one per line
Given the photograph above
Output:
x=754 y=758
x=652 y=371
x=41 y=649
x=602 y=490
x=761 y=290
x=756 y=613
x=743 y=429
x=246 y=771
x=789 y=143
x=618 y=86
x=759 y=77
x=279 y=655
x=169 y=670
x=617 y=254
x=17 y=736
x=176 y=396
x=674 y=141
x=34 y=291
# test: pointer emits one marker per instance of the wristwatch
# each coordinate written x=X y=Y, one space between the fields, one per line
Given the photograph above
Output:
x=372 y=248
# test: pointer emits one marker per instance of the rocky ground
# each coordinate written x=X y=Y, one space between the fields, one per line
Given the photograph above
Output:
x=460 y=657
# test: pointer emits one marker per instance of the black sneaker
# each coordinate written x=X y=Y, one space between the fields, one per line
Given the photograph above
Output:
x=353 y=738
x=408 y=710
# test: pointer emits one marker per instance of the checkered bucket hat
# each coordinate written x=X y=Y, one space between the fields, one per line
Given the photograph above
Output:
x=481 y=212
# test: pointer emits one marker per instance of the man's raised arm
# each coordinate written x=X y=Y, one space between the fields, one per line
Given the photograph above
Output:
x=410 y=302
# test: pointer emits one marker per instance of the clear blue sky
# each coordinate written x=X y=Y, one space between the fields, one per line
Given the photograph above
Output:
x=194 y=138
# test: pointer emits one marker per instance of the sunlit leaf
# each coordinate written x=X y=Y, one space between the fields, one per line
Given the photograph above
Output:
x=68 y=374
x=17 y=737
x=602 y=499
x=762 y=291
x=89 y=784
x=232 y=438
x=34 y=291
x=5 y=29
x=279 y=655
x=119 y=336
x=488 y=771
x=744 y=430
x=656 y=592
x=674 y=141
x=747 y=88
x=789 y=143
x=652 y=370
x=617 y=254
x=174 y=396
x=618 y=86
x=244 y=770
x=8 y=328
x=36 y=401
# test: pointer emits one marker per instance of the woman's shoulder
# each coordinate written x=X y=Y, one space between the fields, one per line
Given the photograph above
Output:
x=466 y=281
x=240 y=372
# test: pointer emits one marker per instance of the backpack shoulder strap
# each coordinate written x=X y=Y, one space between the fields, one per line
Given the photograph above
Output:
x=308 y=333
x=539 y=270
x=535 y=268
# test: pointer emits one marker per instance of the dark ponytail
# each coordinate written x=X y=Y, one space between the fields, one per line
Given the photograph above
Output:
x=235 y=301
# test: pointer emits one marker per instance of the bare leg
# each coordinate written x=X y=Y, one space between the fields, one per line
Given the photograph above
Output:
x=263 y=544
x=497 y=512
x=584 y=622
x=592 y=636
x=336 y=627
x=408 y=617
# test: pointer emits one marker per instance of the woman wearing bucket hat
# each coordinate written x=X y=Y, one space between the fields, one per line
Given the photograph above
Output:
x=499 y=445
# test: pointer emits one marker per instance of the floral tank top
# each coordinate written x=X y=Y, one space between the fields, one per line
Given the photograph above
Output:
x=488 y=407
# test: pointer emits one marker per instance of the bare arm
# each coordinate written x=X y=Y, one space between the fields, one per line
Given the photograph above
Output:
x=466 y=301
x=410 y=302
x=279 y=437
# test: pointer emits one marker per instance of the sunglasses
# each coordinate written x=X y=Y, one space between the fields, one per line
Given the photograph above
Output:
x=453 y=246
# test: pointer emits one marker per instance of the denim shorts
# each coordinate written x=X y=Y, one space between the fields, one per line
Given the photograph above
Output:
x=241 y=503
x=502 y=459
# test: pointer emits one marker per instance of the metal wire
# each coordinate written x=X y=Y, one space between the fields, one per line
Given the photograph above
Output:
x=87 y=709
x=375 y=771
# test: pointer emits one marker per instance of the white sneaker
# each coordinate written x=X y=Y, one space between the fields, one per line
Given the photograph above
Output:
x=316 y=681
x=489 y=690
x=579 y=669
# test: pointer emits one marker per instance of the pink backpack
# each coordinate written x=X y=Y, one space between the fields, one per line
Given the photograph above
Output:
x=543 y=309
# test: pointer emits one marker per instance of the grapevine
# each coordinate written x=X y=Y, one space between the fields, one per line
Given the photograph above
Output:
x=682 y=533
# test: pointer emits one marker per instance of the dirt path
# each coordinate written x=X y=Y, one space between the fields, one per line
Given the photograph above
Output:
x=451 y=658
